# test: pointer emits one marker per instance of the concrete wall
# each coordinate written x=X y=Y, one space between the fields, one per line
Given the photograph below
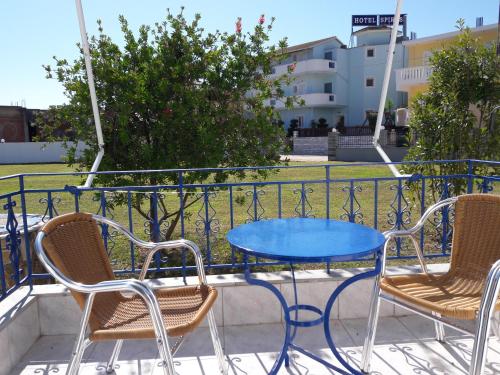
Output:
x=329 y=146
x=310 y=145
x=33 y=152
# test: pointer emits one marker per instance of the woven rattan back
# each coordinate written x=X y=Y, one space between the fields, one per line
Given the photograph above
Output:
x=476 y=235
x=75 y=246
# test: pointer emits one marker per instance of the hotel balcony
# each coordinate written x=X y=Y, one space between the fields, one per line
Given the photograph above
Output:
x=39 y=319
x=310 y=66
x=310 y=100
x=415 y=75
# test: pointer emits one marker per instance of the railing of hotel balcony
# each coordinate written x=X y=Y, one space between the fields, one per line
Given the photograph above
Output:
x=414 y=74
x=383 y=202
x=305 y=66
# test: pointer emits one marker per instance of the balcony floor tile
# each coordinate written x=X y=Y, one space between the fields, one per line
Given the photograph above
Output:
x=404 y=345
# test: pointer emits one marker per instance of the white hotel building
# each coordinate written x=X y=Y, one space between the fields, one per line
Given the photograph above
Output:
x=334 y=80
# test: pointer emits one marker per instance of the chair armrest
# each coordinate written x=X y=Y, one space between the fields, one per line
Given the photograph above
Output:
x=154 y=247
x=420 y=223
x=411 y=232
x=176 y=245
x=124 y=231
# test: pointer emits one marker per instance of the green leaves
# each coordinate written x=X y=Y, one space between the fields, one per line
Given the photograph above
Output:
x=453 y=119
x=174 y=96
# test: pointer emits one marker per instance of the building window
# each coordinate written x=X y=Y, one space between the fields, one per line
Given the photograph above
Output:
x=295 y=90
x=294 y=58
x=370 y=82
x=329 y=55
x=328 y=88
x=331 y=64
x=370 y=52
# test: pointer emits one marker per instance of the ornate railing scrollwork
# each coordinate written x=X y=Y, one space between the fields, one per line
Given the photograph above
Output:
x=351 y=206
x=303 y=207
x=206 y=225
x=13 y=240
x=255 y=209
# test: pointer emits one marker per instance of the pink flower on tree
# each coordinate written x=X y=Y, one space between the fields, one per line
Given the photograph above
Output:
x=292 y=67
x=238 y=25
x=262 y=19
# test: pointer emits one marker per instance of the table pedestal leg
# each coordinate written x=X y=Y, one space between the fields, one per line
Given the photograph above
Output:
x=283 y=355
x=328 y=310
x=324 y=317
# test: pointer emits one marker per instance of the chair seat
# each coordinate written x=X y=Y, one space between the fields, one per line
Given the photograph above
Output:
x=183 y=309
x=450 y=295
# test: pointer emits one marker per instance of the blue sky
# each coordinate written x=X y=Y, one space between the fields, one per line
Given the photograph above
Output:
x=32 y=31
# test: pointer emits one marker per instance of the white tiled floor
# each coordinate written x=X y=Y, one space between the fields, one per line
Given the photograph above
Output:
x=404 y=345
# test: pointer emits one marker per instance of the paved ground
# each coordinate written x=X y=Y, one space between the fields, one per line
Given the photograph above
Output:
x=404 y=345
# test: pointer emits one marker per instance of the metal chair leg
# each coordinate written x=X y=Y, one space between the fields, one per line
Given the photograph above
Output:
x=166 y=357
x=439 y=327
x=483 y=325
x=81 y=341
x=76 y=356
x=114 y=356
x=372 y=327
x=495 y=324
x=219 y=353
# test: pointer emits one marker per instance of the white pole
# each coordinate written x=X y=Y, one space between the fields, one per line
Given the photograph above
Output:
x=385 y=87
x=93 y=97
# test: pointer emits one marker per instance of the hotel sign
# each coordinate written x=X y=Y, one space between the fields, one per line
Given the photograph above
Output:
x=388 y=19
x=365 y=20
x=376 y=20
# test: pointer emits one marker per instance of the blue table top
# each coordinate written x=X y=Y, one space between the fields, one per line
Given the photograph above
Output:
x=306 y=240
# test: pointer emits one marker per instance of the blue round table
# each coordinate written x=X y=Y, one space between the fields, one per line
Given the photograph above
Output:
x=300 y=240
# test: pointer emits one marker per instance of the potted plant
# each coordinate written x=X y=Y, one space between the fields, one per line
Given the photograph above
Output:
x=322 y=123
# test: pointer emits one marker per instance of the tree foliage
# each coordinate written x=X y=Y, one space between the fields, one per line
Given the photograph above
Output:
x=174 y=96
x=455 y=118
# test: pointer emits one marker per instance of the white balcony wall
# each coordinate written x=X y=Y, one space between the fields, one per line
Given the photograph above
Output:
x=415 y=75
x=310 y=66
x=310 y=100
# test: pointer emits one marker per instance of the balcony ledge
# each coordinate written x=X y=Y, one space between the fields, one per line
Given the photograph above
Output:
x=310 y=66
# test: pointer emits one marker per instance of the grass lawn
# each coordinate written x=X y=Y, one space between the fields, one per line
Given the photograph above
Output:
x=243 y=209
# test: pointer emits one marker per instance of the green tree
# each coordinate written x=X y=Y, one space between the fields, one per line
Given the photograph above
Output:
x=455 y=118
x=173 y=96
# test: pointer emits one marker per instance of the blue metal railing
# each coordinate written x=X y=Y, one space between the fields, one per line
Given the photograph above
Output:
x=204 y=212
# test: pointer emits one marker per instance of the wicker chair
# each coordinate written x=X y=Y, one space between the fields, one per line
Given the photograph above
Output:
x=71 y=248
x=468 y=291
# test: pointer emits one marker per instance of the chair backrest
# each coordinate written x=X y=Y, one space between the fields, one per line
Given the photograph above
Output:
x=476 y=235
x=74 y=244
